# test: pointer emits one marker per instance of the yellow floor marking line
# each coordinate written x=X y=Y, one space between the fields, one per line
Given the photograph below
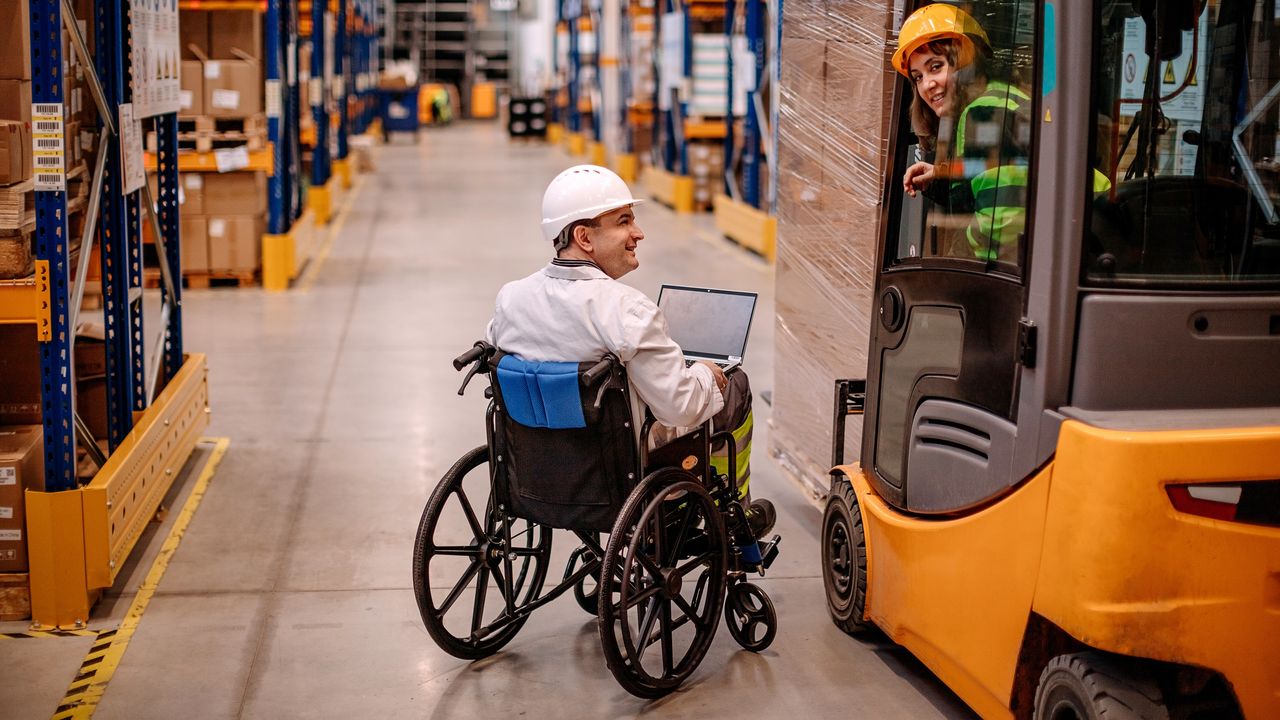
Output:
x=86 y=690
x=313 y=268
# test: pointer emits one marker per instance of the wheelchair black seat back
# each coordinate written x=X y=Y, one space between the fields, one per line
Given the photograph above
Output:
x=566 y=454
x=562 y=452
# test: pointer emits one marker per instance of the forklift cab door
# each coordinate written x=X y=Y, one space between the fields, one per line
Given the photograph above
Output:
x=950 y=291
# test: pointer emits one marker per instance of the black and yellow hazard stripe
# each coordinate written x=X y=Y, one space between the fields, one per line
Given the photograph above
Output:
x=99 y=665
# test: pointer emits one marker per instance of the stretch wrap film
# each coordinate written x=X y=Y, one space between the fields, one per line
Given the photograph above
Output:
x=833 y=138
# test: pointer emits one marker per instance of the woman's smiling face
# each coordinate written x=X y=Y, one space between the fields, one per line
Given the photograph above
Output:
x=931 y=75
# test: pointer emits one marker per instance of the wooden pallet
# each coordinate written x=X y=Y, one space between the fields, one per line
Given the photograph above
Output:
x=15 y=596
x=204 y=134
x=204 y=280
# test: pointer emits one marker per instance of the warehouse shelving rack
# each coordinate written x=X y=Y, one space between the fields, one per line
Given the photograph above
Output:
x=80 y=535
x=585 y=102
x=637 y=115
x=364 y=65
x=290 y=238
x=743 y=211
x=667 y=177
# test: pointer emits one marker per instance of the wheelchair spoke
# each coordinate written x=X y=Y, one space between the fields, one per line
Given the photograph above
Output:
x=501 y=580
x=461 y=585
x=646 y=628
x=472 y=520
x=684 y=569
x=650 y=565
x=482 y=589
x=690 y=513
x=686 y=608
x=640 y=597
x=668 y=659
x=456 y=550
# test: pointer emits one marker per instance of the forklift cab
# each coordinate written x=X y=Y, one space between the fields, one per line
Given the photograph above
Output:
x=1069 y=476
x=1139 y=275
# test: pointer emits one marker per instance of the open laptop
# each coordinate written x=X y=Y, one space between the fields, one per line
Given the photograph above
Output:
x=708 y=324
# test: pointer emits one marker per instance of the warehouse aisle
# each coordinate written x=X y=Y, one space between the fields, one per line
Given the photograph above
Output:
x=291 y=596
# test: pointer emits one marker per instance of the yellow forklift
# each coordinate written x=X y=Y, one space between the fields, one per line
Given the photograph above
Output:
x=1067 y=503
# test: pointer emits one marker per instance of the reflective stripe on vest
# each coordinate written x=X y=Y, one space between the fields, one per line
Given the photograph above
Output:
x=999 y=193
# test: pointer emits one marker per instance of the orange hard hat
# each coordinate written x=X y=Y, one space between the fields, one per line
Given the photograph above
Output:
x=938 y=22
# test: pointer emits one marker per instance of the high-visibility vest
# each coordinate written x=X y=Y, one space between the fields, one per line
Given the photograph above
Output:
x=999 y=193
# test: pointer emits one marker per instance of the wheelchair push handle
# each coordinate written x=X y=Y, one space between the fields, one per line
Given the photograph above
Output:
x=477 y=357
x=469 y=356
x=597 y=371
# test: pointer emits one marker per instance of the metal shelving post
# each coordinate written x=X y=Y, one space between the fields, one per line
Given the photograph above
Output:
x=571 y=12
x=121 y=247
x=52 y=259
x=320 y=204
x=341 y=84
x=751 y=128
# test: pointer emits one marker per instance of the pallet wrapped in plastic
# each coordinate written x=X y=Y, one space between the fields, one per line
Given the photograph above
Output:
x=832 y=143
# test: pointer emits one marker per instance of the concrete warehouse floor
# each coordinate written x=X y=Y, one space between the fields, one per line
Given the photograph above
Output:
x=291 y=593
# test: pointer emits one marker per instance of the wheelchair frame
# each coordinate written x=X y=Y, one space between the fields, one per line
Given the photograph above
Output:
x=706 y=507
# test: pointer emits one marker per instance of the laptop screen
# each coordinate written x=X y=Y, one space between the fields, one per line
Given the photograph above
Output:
x=708 y=323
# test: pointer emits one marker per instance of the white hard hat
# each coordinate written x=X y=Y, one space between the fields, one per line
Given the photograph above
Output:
x=580 y=193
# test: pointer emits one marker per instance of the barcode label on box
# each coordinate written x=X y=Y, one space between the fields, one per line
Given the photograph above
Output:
x=8 y=476
x=225 y=99
x=48 y=152
x=273 y=98
x=185 y=99
x=212 y=70
x=217 y=227
x=6 y=513
x=229 y=159
x=10 y=536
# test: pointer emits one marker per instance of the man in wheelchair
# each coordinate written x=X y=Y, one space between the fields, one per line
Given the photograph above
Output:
x=595 y=424
x=575 y=309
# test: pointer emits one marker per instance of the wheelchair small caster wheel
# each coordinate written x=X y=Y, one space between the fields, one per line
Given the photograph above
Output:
x=750 y=617
x=587 y=590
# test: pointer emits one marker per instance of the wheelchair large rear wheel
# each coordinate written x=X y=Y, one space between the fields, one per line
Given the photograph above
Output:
x=662 y=584
x=472 y=565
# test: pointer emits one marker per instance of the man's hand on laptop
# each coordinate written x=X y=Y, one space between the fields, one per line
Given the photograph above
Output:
x=721 y=380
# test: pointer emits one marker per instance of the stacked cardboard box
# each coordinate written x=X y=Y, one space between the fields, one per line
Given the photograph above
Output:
x=222 y=222
x=17 y=217
x=223 y=215
x=832 y=145
x=21 y=469
x=221 y=67
x=706 y=167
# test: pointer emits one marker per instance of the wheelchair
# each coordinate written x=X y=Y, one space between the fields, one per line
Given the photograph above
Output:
x=561 y=453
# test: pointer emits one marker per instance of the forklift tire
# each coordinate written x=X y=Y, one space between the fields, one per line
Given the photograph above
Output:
x=844 y=558
x=1091 y=686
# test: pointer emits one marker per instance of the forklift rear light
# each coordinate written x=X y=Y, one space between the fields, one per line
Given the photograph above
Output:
x=1256 y=503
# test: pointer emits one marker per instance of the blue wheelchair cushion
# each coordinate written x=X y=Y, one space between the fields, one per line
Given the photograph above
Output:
x=541 y=394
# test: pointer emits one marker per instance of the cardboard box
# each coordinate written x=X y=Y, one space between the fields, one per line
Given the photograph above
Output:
x=15 y=100
x=191 y=97
x=193 y=30
x=15 y=40
x=192 y=193
x=21 y=468
x=234 y=242
x=232 y=32
x=235 y=193
x=15 y=596
x=19 y=375
x=15 y=152
x=16 y=259
x=195 y=244
x=232 y=88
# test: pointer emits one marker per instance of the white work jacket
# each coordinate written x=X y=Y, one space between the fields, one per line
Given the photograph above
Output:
x=570 y=311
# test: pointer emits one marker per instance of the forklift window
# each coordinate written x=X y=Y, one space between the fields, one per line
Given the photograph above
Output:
x=963 y=168
x=1186 y=104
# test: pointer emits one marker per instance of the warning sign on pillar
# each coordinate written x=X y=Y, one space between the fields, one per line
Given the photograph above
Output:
x=48 y=147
